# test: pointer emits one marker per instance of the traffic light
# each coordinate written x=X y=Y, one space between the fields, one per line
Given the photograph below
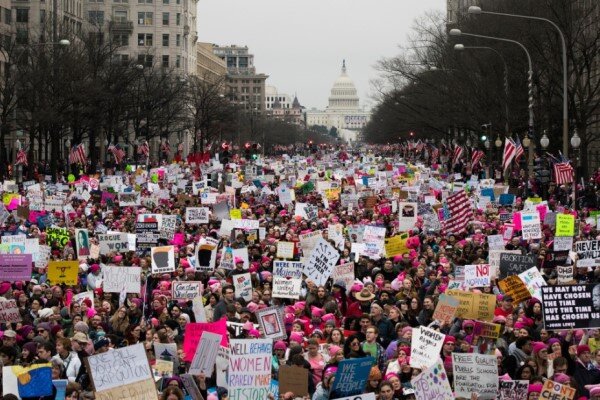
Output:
x=247 y=150
x=225 y=153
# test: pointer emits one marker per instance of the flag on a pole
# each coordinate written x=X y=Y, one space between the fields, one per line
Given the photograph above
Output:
x=476 y=157
x=435 y=153
x=563 y=173
x=457 y=154
x=165 y=148
x=77 y=155
x=22 y=158
x=509 y=153
x=460 y=213
x=519 y=151
x=117 y=152
x=143 y=148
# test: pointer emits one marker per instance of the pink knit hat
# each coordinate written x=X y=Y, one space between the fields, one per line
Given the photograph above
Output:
x=333 y=350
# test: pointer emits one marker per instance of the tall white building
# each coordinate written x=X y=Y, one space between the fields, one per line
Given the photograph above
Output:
x=272 y=96
x=344 y=111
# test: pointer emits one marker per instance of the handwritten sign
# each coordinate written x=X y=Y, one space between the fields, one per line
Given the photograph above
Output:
x=351 y=377
x=433 y=383
x=193 y=332
x=206 y=354
x=186 y=290
x=563 y=243
x=565 y=225
x=445 y=309
x=477 y=275
x=285 y=249
x=475 y=373
x=58 y=235
x=120 y=367
x=243 y=286
x=588 y=253
x=474 y=305
x=287 y=279
x=116 y=279
x=514 y=264
x=514 y=287
x=249 y=374
x=113 y=243
x=564 y=274
x=196 y=215
x=320 y=264
x=530 y=225
x=15 y=267
x=425 y=346
x=63 y=272
x=343 y=273
x=513 y=390
x=533 y=279
x=9 y=312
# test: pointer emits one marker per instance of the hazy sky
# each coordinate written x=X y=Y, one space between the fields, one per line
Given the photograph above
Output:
x=300 y=44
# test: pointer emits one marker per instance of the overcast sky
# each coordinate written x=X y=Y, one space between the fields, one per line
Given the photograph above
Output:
x=300 y=44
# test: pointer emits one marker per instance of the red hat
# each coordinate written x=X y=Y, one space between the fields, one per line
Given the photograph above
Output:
x=582 y=349
x=449 y=339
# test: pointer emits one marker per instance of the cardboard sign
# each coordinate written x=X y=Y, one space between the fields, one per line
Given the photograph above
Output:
x=249 y=374
x=565 y=225
x=320 y=264
x=555 y=391
x=271 y=322
x=113 y=243
x=570 y=306
x=63 y=272
x=588 y=253
x=285 y=249
x=433 y=383
x=514 y=264
x=513 y=390
x=445 y=309
x=351 y=377
x=163 y=259
x=344 y=273
x=117 y=279
x=426 y=345
x=243 y=286
x=475 y=373
x=196 y=215
x=15 y=267
x=513 y=286
x=206 y=354
x=186 y=290
x=564 y=274
x=118 y=368
x=478 y=306
x=477 y=275
x=293 y=379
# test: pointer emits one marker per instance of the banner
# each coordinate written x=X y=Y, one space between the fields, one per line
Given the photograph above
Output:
x=271 y=322
x=351 y=377
x=474 y=305
x=477 y=275
x=113 y=242
x=565 y=225
x=15 y=267
x=287 y=279
x=249 y=374
x=196 y=215
x=163 y=259
x=555 y=391
x=186 y=290
x=514 y=287
x=243 y=286
x=571 y=306
x=116 y=279
x=475 y=373
x=514 y=264
x=425 y=347
x=320 y=264
x=445 y=309
x=432 y=383
x=63 y=272
x=513 y=390
x=588 y=253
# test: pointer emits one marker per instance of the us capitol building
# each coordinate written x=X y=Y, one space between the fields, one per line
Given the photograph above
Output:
x=343 y=111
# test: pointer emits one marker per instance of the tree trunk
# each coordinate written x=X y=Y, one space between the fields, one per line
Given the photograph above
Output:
x=54 y=157
x=3 y=161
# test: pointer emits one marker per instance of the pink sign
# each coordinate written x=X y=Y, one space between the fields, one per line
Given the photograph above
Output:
x=193 y=332
x=15 y=267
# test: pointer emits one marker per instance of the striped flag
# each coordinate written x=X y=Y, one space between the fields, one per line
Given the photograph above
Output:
x=77 y=155
x=563 y=173
x=509 y=153
x=476 y=157
x=165 y=148
x=117 y=152
x=519 y=150
x=457 y=154
x=22 y=158
x=143 y=148
x=435 y=153
x=459 y=208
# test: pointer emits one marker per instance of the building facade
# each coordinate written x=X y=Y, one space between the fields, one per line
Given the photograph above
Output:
x=209 y=67
x=344 y=111
x=244 y=85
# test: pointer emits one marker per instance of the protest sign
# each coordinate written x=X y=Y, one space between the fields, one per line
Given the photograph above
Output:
x=243 y=286
x=564 y=274
x=565 y=225
x=63 y=272
x=58 y=235
x=271 y=322
x=445 y=309
x=206 y=354
x=475 y=373
x=514 y=264
x=407 y=216
x=308 y=241
x=196 y=215
x=513 y=390
x=293 y=379
x=129 y=199
x=477 y=275
x=191 y=387
x=433 y=383
x=494 y=260
x=533 y=279
x=249 y=374
x=570 y=307
x=285 y=249
x=186 y=290
x=147 y=235
x=193 y=332
x=113 y=243
x=530 y=225
x=335 y=232
x=287 y=279
x=474 y=305
x=206 y=254
x=495 y=242
x=514 y=287
x=351 y=377
x=486 y=330
x=555 y=391
x=15 y=267
x=563 y=243
x=588 y=253
x=320 y=264
x=396 y=245
x=119 y=367
x=163 y=259
x=168 y=226
x=82 y=243
x=425 y=347
x=9 y=312
x=343 y=273
x=116 y=279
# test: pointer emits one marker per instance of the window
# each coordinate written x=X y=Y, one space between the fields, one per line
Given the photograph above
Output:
x=144 y=39
x=22 y=14
x=178 y=62
x=7 y=16
x=165 y=18
x=165 y=1
x=245 y=89
x=178 y=40
x=146 y=60
x=42 y=16
x=144 y=1
x=121 y=39
x=178 y=21
x=145 y=18
x=96 y=17
x=120 y=1
x=120 y=16
x=123 y=58
x=231 y=62
x=243 y=62
x=165 y=61
x=96 y=37
x=22 y=36
x=165 y=40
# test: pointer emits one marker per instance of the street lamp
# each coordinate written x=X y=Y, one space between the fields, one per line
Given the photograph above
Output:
x=544 y=172
x=462 y=47
x=544 y=141
x=575 y=143
x=498 y=142
x=475 y=10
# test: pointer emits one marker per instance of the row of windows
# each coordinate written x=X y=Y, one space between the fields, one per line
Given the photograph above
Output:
x=144 y=17
x=147 y=60
x=6 y=15
x=146 y=39
x=246 y=81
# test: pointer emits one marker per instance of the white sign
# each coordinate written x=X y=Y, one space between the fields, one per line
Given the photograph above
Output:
x=206 y=354
x=163 y=259
x=186 y=290
x=425 y=347
x=563 y=243
x=530 y=225
x=475 y=373
x=115 y=279
x=345 y=273
x=565 y=274
x=113 y=242
x=249 y=374
x=407 y=216
x=285 y=249
x=432 y=383
x=477 y=275
x=287 y=279
x=243 y=286
x=321 y=262
x=495 y=242
x=119 y=367
x=196 y=215
x=534 y=281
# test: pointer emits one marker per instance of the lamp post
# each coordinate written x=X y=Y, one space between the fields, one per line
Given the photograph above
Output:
x=19 y=167
x=545 y=173
x=488 y=148
x=67 y=153
x=462 y=47
x=475 y=10
x=575 y=143
x=498 y=144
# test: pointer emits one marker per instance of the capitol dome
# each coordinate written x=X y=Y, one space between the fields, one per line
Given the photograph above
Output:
x=343 y=93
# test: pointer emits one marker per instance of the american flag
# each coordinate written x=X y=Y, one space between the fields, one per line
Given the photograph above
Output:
x=22 y=158
x=563 y=173
x=117 y=152
x=77 y=155
x=509 y=153
x=476 y=156
x=143 y=148
x=457 y=154
x=419 y=146
x=460 y=213
x=435 y=153
x=519 y=150
x=165 y=148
